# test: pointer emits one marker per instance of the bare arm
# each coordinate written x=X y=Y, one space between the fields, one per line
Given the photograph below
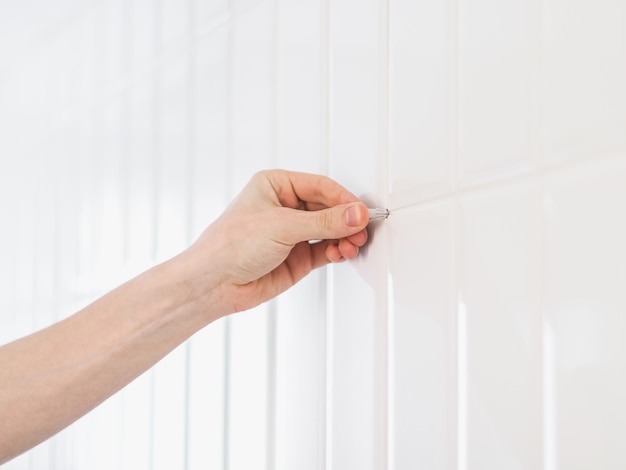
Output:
x=257 y=249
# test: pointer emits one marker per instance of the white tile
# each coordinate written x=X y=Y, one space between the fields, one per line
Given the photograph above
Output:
x=584 y=297
x=251 y=94
x=169 y=411
x=251 y=121
x=112 y=34
x=301 y=312
x=300 y=375
x=299 y=86
x=584 y=99
x=210 y=134
x=173 y=188
x=356 y=95
x=498 y=87
x=356 y=355
x=499 y=296
x=136 y=425
x=207 y=360
x=206 y=400
x=109 y=192
x=247 y=414
x=173 y=224
x=422 y=122
x=144 y=36
x=207 y=12
x=357 y=339
x=175 y=21
x=422 y=338
x=142 y=178
x=140 y=252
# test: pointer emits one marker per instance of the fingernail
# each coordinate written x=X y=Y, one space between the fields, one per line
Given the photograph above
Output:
x=353 y=216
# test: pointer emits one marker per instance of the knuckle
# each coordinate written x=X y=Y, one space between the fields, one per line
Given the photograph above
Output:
x=325 y=220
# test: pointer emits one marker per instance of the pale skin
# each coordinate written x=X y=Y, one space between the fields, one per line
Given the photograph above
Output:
x=256 y=250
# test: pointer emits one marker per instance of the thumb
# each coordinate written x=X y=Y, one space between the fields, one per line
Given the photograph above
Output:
x=336 y=222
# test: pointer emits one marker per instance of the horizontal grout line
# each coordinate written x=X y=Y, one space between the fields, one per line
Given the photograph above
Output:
x=547 y=168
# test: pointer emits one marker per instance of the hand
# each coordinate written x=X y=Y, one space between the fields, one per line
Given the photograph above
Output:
x=260 y=247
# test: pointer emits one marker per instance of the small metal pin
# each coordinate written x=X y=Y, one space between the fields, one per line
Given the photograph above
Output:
x=378 y=213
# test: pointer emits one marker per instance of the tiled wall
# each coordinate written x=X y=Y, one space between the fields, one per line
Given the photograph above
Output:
x=483 y=327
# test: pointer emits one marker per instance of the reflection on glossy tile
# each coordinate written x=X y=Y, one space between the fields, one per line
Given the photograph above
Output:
x=498 y=111
x=584 y=95
x=585 y=278
x=422 y=339
x=421 y=100
x=499 y=287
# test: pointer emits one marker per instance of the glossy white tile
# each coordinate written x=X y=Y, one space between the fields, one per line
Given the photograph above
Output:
x=356 y=424
x=499 y=235
x=357 y=127
x=422 y=338
x=300 y=354
x=209 y=185
x=299 y=86
x=206 y=13
x=172 y=227
x=498 y=73
x=115 y=17
x=300 y=420
x=248 y=334
x=584 y=100
x=206 y=399
x=109 y=206
x=169 y=411
x=210 y=130
x=136 y=426
x=144 y=32
x=173 y=147
x=584 y=301
x=175 y=22
x=142 y=178
x=422 y=123
x=247 y=413
x=357 y=361
x=251 y=94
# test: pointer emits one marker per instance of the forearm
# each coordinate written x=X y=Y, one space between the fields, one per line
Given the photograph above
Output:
x=51 y=378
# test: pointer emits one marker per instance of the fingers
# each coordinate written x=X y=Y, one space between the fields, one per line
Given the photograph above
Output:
x=315 y=191
x=342 y=221
x=332 y=251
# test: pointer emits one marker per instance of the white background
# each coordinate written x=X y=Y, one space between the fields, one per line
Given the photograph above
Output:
x=482 y=328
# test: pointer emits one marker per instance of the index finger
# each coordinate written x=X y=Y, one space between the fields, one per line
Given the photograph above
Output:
x=296 y=188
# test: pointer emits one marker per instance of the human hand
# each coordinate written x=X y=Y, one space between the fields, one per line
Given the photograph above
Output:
x=260 y=247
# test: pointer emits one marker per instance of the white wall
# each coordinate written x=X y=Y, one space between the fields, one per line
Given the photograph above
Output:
x=483 y=326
